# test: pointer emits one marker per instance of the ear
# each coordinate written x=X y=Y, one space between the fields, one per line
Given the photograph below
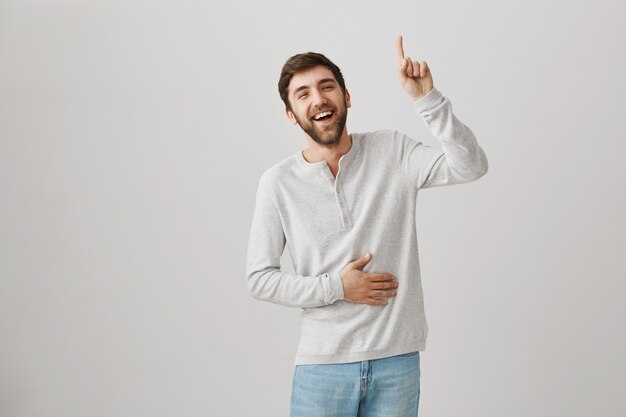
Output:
x=291 y=116
x=348 y=104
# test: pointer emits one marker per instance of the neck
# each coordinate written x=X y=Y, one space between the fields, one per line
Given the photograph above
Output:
x=331 y=154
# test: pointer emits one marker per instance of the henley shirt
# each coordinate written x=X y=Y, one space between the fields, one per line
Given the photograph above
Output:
x=329 y=221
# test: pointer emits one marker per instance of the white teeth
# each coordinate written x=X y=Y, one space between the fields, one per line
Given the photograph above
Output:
x=317 y=116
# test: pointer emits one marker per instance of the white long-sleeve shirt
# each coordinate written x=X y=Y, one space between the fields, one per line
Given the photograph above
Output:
x=330 y=221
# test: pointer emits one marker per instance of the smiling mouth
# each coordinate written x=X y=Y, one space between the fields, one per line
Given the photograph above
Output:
x=325 y=119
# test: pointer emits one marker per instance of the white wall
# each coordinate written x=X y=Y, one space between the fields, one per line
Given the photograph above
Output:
x=132 y=136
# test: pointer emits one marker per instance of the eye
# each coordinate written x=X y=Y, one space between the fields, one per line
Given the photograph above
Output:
x=328 y=87
x=302 y=95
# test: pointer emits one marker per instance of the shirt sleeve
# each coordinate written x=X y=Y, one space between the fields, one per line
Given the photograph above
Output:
x=264 y=277
x=461 y=158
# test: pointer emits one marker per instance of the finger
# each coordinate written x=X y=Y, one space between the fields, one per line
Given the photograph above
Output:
x=399 y=48
x=374 y=301
x=402 y=70
x=383 y=285
x=424 y=69
x=416 y=69
x=403 y=65
x=409 y=69
x=381 y=277
x=382 y=293
x=361 y=261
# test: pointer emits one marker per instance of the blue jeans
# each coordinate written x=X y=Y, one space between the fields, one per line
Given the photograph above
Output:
x=386 y=387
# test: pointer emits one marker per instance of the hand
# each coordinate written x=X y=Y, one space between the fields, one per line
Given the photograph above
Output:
x=360 y=287
x=415 y=76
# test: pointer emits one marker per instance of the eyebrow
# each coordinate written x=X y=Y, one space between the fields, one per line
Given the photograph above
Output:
x=304 y=87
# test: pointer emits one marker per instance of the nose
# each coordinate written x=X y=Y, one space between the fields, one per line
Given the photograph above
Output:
x=318 y=99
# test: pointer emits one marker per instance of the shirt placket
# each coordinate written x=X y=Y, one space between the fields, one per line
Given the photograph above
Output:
x=335 y=183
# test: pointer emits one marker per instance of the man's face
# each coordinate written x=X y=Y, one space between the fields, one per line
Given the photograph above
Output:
x=315 y=92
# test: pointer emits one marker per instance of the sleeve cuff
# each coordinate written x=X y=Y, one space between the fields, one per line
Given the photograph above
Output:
x=335 y=288
x=428 y=101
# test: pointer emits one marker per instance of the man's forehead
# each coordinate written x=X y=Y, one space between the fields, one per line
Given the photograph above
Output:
x=311 y=76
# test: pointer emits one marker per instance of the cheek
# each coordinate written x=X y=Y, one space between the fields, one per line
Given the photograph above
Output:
x=297 y=116
x=304 y=117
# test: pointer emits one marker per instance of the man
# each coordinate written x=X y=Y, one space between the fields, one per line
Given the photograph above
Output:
x=363 y=322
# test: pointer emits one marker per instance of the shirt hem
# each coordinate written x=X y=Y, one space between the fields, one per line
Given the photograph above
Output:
x=357 y=356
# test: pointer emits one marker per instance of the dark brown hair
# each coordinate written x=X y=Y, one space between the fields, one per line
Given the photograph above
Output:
x=302 y=62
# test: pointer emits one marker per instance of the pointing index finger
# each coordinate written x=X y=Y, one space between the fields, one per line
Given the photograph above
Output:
x=399 y=49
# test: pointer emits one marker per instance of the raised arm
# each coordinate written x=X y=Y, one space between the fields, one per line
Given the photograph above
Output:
x=461 y=158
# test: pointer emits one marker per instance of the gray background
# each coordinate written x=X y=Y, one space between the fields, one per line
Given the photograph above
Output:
x=132 y=137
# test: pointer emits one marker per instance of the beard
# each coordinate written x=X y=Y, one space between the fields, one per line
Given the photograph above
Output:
x=326 y=134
